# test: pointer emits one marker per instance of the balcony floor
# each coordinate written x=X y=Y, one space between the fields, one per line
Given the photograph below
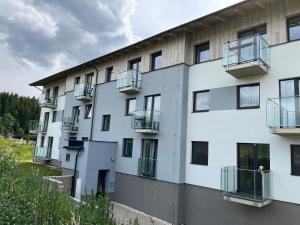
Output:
x=286 y=131
x=247 y=69
x=129 y=90
x=246 y=199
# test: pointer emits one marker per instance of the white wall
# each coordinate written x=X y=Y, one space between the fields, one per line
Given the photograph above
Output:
x=225 y=128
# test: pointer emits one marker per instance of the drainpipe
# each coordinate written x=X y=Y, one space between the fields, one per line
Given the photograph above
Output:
x=74 y=175
x=94 y=101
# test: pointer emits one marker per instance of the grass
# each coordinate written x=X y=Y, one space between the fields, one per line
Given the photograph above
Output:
x=23 y=154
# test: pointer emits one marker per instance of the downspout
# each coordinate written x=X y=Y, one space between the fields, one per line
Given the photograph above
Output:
x=74 y=175
x=94 y=101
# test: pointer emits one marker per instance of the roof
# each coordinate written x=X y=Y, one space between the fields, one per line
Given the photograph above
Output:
x=202 y=22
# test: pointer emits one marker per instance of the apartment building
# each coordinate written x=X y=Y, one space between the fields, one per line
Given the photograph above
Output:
x=196 y=125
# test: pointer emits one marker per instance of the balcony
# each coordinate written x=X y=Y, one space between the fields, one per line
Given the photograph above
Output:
x=283 y=115
x=43 y=153
x=84 y=92
x=146 y=122
x=129 y=82
x=43 y=128
x=249 y=187
x=147 y=167
x=33 y=127
x=48 y=102
x=69 y=126
x=247 y=57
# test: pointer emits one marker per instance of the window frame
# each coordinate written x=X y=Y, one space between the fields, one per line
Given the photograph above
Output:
x=108 y=74
x=124 y=146
x=196 y=47
x=293 y=173
x=206 y=160
x=103 y=122
x=195 y=100
x=153 y=101
x=75 y=81
x=127 y=106
x=133 y=61
x=86 y=117
x=238 y=96
x=288 y=30
x=153 y=56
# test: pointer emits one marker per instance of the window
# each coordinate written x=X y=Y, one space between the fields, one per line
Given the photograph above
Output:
x=262 y=30
x=156 y=61
x=135 y=64
x=76 y=114
x=201 y=101
x=200 y=153
x=50 y=145
x=109 y=73
x=54 y=115
x=76 y=81
x=68 y=156
x=42 y=141
x=295 y=156
x=248 y=96
x=293 y=28
x=105 y=122
x=47 y=95
x=88 y=111
x=152 y=102
x=202 y=53
x=127 y=147
x=130 y=106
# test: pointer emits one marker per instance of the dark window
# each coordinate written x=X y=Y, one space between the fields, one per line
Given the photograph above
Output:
x=156 y=62
x=152 y=102
x=295 y=155
x=262 y=30
x=68 y=157
x=84 y=138
x=201 y=101
x=55 y=93
x=202 y=52
x=54 y=115
x=130 y=106
x=109 y=73
x=47 y=95
x=76 y=114
x=127 y=147
x=42 y=141
x=89 y=78
x=293 y=28
x=50 y=145
x=88 y=111
x=135 y=64
x=76 y=80
x=248 y=96
x=200 y=153
x=105 y=122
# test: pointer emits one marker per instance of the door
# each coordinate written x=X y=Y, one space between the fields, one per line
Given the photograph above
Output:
x=55 y=94
x=101 y=182
x=152 y=108
x=251 y=158
x=50 y=146
x=47 y=95
x=149 y=155
x=135 y=66
x=46 y=121
x=76 y=114
x=289 y=103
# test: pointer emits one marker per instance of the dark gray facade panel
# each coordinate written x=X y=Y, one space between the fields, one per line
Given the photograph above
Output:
x=59 y=115
x=156 y=198
x=224 y=98
x=207 y=206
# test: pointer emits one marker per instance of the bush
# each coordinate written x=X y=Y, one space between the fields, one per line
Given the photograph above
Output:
x=30 y=199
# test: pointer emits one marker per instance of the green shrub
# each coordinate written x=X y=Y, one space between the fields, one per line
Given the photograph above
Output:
x=28 y=199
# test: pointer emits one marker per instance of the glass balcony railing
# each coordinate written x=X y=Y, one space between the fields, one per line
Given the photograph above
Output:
x=43 y=153
x=129 y=81
x=147 y=167
x=248 y=185
x=247 y=50
x=33 y=126
x=283 y=112
x=69 y=125
x=43 y=127
x=48 y=102
x=84 y=91
x=146 y=121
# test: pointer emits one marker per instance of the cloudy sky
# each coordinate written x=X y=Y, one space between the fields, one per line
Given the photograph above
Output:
x=39 y=38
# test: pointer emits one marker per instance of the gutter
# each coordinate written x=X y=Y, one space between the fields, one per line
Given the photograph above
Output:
x=94 y=102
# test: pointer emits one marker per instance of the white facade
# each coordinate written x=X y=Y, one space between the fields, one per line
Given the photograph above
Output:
x=223 y=129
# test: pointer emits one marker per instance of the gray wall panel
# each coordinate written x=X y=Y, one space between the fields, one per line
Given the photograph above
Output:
x=223 y=98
